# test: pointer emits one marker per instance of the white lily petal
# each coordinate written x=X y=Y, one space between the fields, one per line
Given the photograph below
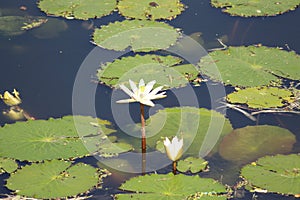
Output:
x=126 y=90
x=141 y=83
x=157 y=96
x=147 y=102
x=149 y=87
x=133 y=86
x=126 y=101
x=156 y=90
x=174 y=149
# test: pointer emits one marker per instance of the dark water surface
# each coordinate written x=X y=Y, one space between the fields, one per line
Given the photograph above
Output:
x=44 y=70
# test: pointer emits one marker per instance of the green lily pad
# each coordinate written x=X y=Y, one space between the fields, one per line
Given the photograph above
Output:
x=250 y=66
x=249 y=143
x=149 y=9
x=261 y=97
x=7 y=165
x=17 y=25
x=140 y=35
x=280 y=174
x=163 y=69
x=77 y=9
x=192 y=164
x=54 y=179
x=168 y=186
x=201 y=129
x=38 y=140
x=255 y=8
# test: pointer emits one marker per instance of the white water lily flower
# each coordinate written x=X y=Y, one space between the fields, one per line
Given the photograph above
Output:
x=11 y=100
x=174 y=149
x=143 y=94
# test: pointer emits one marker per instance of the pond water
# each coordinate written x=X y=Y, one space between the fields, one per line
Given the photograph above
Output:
x=44 y=71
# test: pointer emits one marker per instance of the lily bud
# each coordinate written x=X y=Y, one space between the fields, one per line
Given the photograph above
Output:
x=174 y=149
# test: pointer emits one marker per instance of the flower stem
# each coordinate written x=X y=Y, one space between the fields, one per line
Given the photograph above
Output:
x=143 y=128
x=174 y=167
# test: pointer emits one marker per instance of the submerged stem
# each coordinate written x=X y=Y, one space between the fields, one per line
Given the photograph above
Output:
x=143 y=128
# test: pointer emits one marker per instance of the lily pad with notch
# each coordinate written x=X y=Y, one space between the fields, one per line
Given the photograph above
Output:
x=279 y=174
x=139 y=35
x=192 y=164
x=250 y=66
x=54 y=179
x=168 y=186
x=246 y=8
x=247 y=144
x=261 y=97
x=58 y=138
x=166 y=70
x=77 y=9
x=150 y=9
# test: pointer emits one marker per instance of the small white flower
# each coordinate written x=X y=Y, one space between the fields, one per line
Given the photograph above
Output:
x=11 y=99
x=174 y=149
x=143 y=94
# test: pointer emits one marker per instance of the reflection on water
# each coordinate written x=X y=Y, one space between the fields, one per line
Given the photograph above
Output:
x=43 y=63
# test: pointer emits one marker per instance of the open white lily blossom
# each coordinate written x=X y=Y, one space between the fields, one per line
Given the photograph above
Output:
x=143 y=94
x=174 y=149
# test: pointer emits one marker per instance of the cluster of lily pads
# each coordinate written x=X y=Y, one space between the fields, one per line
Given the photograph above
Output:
x=53 y=145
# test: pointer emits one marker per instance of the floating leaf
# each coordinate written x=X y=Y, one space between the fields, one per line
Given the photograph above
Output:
x=140 y=35
x=192 y=164
x=261 y=97
x=17 y=25
x=150 y=9
x=249 y=143
x=201 y=129
x=255 y=8
x=7 y=165
x=250 y=66
x=163 y=69
x=77 y=9
x=280 y=174
x=168 y=186
x=56 y=138
x=53 y=179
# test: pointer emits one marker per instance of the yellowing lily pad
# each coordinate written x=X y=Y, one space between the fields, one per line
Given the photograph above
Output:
x=249 y=143
x=255 y=8
x=280 y=174
x=139 y=35
x=7 y=165
x=168 y=186
x=192 y=164
x=150 y=9
x=38 y=140
x=261 y=97
x=250 y=66
x=54 y=179
x=163 y=69
x=78 y=9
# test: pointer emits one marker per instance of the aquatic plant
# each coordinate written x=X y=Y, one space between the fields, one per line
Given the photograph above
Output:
x=174 y=150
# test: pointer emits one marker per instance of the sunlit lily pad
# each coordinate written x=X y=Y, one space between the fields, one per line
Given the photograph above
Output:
x=17 y=25
x=168 y=186
x=139 y=35
x=57 y=138
x=255 y=8
x=261 y=97
x=163 y=69
x=54 y=179
x=77 y=9
x=7 y=165
x=150 y=9
x=192 y=164
x=249 y=143
x=201 y=129
x=280 y=174
x=250 y=66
